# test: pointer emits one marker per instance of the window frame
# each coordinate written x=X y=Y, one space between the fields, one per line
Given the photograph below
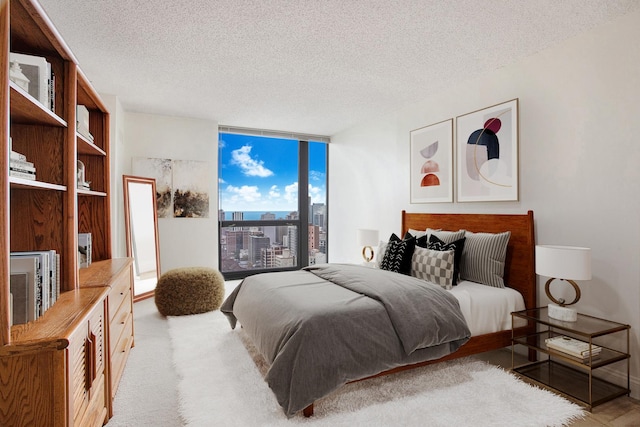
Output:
x=302 y=223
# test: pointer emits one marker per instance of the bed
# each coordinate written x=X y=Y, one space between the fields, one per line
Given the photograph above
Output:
x=328 y=325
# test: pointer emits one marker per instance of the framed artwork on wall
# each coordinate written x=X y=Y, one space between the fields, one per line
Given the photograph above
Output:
x=182 y=186
x=487 y=154
x=431 y=167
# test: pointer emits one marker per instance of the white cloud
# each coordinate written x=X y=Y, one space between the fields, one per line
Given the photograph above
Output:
x=274 y=192
x=291 y=193
x=316 y=176
x=246 y=193
x=249 y=166
x=316 y=194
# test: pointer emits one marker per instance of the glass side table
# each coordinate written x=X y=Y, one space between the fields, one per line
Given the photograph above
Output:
x=571 y=376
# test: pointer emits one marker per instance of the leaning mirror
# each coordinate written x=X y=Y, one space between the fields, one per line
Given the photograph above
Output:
x=141 y=226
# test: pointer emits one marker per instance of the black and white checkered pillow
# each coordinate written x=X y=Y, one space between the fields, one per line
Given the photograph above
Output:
x=433 y=266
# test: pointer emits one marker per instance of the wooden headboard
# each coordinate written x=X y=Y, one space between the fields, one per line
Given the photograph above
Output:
x=520 y=262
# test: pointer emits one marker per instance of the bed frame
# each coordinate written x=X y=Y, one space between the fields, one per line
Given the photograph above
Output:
x=519 y=271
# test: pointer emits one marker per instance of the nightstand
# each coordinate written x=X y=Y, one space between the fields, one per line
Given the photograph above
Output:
x=572 y=377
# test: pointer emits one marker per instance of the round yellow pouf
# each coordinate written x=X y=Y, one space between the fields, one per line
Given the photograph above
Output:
x=189 y=290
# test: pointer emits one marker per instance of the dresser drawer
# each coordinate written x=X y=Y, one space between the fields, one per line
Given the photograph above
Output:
x=120 y=289
x=120 y=353
x=120 y=322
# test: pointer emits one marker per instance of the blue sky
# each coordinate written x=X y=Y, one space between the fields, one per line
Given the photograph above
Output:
x=261 y=174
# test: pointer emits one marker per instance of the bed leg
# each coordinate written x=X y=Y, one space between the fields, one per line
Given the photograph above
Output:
x=308 y=411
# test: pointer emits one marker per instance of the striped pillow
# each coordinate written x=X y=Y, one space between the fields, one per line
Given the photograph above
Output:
x=483 y=258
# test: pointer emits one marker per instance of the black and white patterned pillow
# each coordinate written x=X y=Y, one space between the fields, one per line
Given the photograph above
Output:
x=397 y=256
x=458 y=246
x=433 y=266
x=483 y=258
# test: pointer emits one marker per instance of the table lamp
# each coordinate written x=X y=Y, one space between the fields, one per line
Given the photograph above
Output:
x=567 y=263
x=367 y=239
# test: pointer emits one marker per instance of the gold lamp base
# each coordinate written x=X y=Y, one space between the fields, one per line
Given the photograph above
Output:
x=558 y=309
x=367 y=253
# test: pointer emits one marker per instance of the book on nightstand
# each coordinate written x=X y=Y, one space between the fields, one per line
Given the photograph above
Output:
x=573 y=347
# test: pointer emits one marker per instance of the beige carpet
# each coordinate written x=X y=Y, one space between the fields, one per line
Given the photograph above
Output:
x=147 y=395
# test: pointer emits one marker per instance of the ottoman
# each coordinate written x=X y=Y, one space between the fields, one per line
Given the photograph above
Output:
x=189 y=290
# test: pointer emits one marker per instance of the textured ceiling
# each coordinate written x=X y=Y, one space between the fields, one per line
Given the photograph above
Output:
x=311 y=66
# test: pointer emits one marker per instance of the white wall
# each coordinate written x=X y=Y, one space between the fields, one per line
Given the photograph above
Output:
x=184 y=242
x=579 y=163
x=116 y=129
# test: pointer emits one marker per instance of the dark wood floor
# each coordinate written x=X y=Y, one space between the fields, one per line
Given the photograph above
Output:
x=621 y=412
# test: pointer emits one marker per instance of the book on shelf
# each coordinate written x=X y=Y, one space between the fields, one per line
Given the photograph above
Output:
x=14 y=155
x=24 y=175
x=23 y=285
x=46 y=280
x=22 y=164
x=84 y=249
x=33 y=75
x=573 y=347
x=21 y=167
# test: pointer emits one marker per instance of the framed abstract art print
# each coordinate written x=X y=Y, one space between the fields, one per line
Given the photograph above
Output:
x=487 y=154
x=432 y=163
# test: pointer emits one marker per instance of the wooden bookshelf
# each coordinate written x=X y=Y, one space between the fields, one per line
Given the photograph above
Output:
x=63 y=368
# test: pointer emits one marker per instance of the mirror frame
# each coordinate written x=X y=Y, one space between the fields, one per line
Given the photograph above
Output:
x=126 y=179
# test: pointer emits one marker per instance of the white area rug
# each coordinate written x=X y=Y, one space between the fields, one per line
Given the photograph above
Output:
x=220 y=383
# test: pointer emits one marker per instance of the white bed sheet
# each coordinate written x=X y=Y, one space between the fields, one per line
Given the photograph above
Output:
x=485 y=308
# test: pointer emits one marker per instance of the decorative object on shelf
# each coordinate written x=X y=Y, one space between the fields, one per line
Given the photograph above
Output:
x=17 y=76
x=37 y=71
x=82 y=184
x=432 y=163
x=367 y=239
x=82 y=122
x=567 y=263
x=84 y=249
x=487 y=153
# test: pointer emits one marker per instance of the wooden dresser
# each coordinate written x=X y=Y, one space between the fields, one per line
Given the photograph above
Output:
x=54 y=372
x=118 y=275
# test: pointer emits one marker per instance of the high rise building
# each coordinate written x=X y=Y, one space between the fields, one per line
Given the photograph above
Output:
x=256 y=244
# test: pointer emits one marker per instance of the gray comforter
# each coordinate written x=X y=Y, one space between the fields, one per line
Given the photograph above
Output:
x=324 y=326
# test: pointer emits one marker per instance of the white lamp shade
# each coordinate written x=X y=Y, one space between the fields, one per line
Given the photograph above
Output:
x=368 y=237
x=563 y=262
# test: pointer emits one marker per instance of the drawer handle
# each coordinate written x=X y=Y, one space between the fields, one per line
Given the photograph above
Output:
x=125 y=346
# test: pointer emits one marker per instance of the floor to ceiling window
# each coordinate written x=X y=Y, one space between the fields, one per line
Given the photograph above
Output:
x=272 y=201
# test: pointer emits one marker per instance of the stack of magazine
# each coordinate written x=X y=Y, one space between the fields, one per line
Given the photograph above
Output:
x=34 y=284
x=577 y=349
x=20 y=167
x=18 y=164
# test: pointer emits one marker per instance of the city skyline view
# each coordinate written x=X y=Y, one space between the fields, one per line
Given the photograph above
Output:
x=261 y=174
